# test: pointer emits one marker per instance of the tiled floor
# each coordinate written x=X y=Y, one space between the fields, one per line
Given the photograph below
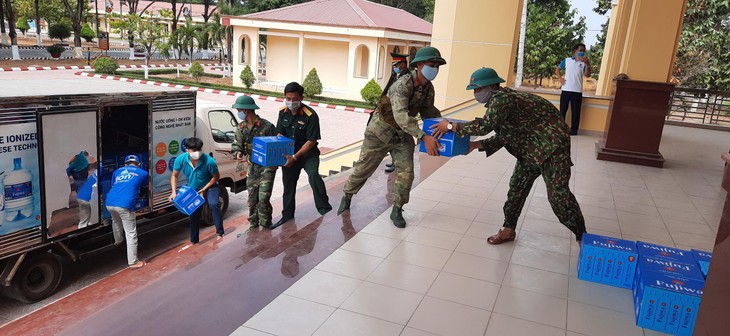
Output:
x=439 y=277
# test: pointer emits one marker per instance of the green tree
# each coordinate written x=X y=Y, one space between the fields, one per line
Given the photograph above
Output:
x=59 y=31
x=595 y=52
x=703 y=54
x=247 y=77
x=371 y=92
x=550 y=35
x=22 y=25
x=312 y=85
x=148 y=31
x=196 y=71
x=87 y=33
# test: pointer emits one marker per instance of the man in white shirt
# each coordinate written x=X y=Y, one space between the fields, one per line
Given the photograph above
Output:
x=576 y=67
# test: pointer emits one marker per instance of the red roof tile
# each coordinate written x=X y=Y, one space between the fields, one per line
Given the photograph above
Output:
x=348 y=13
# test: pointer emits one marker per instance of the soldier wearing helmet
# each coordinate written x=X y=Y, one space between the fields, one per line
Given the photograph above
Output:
x=259 y=179
x=392 y=129
x=532 y=130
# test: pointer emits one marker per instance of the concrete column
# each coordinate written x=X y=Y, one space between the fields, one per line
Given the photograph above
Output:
x=300 y=59
x=472 y=34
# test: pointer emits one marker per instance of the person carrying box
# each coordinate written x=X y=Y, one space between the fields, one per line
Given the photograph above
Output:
x=202 y=174
x=128 y=183
x=259 y=179
x=531 y=129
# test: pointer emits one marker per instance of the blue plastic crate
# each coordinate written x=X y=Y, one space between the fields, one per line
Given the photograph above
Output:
x=667 y=303
x=666 y=252
x=188 y=200
x=270 y=151
x=703 y=260
x=449 y=145
x=606 y=260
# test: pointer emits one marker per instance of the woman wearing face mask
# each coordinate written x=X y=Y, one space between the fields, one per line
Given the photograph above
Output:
x=576 y=68
x=531 y=129
x=259 y=179
x=202 y=174
x=392 y=129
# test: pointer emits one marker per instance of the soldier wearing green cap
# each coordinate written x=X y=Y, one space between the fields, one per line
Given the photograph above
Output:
x=259 y=179
x=392 y=129
x=533 y=131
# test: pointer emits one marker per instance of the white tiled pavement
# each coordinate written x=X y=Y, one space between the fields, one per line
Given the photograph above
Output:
x=438 y=276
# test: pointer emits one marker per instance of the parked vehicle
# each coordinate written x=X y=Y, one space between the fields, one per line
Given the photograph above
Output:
x=48 y=146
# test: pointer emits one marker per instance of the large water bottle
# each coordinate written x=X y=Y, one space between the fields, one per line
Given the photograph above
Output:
x=18 y=193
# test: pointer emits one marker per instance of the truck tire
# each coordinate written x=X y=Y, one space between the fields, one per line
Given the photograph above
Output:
x=223 y=204
x=37 y=278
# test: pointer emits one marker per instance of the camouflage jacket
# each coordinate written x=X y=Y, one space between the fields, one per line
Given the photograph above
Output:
x=406 y=102
x=528 y=126
x=245 y=135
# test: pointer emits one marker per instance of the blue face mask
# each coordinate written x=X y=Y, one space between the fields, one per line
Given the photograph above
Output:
x=429 y=72
x=241 y=115
x=397 y=71
x=581 y=53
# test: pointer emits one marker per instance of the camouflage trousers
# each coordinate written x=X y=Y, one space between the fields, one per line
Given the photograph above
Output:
x=556 y=173
x=400 y=147
x=259 y=184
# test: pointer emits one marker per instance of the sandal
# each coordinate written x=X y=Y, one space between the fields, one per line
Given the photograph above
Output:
x=496 y=239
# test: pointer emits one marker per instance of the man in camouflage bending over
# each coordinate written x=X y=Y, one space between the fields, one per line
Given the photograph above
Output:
x=533 y=131
x=259 y=179
x=392 y=129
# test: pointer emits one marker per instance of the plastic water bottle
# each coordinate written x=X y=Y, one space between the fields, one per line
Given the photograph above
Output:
x=18 y=193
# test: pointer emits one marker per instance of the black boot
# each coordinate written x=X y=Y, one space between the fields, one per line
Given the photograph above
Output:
x=344 y=204
x=397 y=217
x=389 y=167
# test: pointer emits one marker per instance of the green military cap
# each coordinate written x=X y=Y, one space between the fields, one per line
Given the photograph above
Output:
x=483 y=77
x=245 y=103
x=428 y=54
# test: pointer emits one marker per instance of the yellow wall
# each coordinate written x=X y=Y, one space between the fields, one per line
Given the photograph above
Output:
x=281 y=59
x=330 y=60
x=593 y=112
x=252 y=53
x=356 y=83
x=472 y=34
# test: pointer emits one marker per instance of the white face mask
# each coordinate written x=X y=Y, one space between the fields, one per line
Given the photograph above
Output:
x=293 y=105
x=195 y=155
x=484 y=96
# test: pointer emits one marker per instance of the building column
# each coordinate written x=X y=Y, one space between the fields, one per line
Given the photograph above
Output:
x=300 y=59
x=644 y=41
x=471 y=34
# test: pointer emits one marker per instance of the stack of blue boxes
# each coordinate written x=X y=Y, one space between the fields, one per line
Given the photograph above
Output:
x=667 y=283
x=269 y=151
x=449 y=144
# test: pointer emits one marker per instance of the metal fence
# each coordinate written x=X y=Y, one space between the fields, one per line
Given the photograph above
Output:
x=699 y=106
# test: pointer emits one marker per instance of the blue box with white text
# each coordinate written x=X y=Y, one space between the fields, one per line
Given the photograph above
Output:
x=607 y=260
x=449 y=144
x=269 y=151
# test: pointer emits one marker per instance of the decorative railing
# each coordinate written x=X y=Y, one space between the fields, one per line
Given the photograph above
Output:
x=699 y=106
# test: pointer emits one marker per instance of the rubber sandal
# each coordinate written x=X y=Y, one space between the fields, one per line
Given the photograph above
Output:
x=496 y=239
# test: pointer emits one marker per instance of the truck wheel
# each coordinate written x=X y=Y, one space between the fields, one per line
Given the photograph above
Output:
x=37 y=278
x=222 y=204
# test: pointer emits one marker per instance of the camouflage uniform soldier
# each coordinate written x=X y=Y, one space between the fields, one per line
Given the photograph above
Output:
x=259 y=179
x=532 y=130
x=400 y=68
x=393 y=128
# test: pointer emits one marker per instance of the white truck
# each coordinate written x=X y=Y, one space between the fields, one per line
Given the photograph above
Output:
x=48 y=146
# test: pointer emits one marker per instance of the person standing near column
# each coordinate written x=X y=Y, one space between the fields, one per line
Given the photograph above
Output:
x=576 y=68
x=400 y=68
x=393 y=128
x=259 y=179
x=128 y=184
x=300 y=123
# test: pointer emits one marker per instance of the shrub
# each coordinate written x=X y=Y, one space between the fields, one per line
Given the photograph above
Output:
x=105 y=65
x=196 y=70
x=22 y=25
x=312 y=85
x=371 y=92
x=59 y=31
x=87 y=33
x=247 y=77
x=55 y=49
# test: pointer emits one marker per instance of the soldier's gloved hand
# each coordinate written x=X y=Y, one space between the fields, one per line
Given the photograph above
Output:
x=432 y=145
x=440 y=129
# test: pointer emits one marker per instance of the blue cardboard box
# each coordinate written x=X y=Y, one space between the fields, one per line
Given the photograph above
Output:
x=703 y=260
x=607 y=260
x=666 y=252
x=450 y=144
x=270 y=151
x=188 y=200
x=667 y=303
x=669 y=267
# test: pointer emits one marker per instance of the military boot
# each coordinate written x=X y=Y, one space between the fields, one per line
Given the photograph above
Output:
x=344 y=204
x=397 y=217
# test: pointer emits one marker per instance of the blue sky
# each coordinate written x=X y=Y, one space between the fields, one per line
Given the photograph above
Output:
x=593 y=19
